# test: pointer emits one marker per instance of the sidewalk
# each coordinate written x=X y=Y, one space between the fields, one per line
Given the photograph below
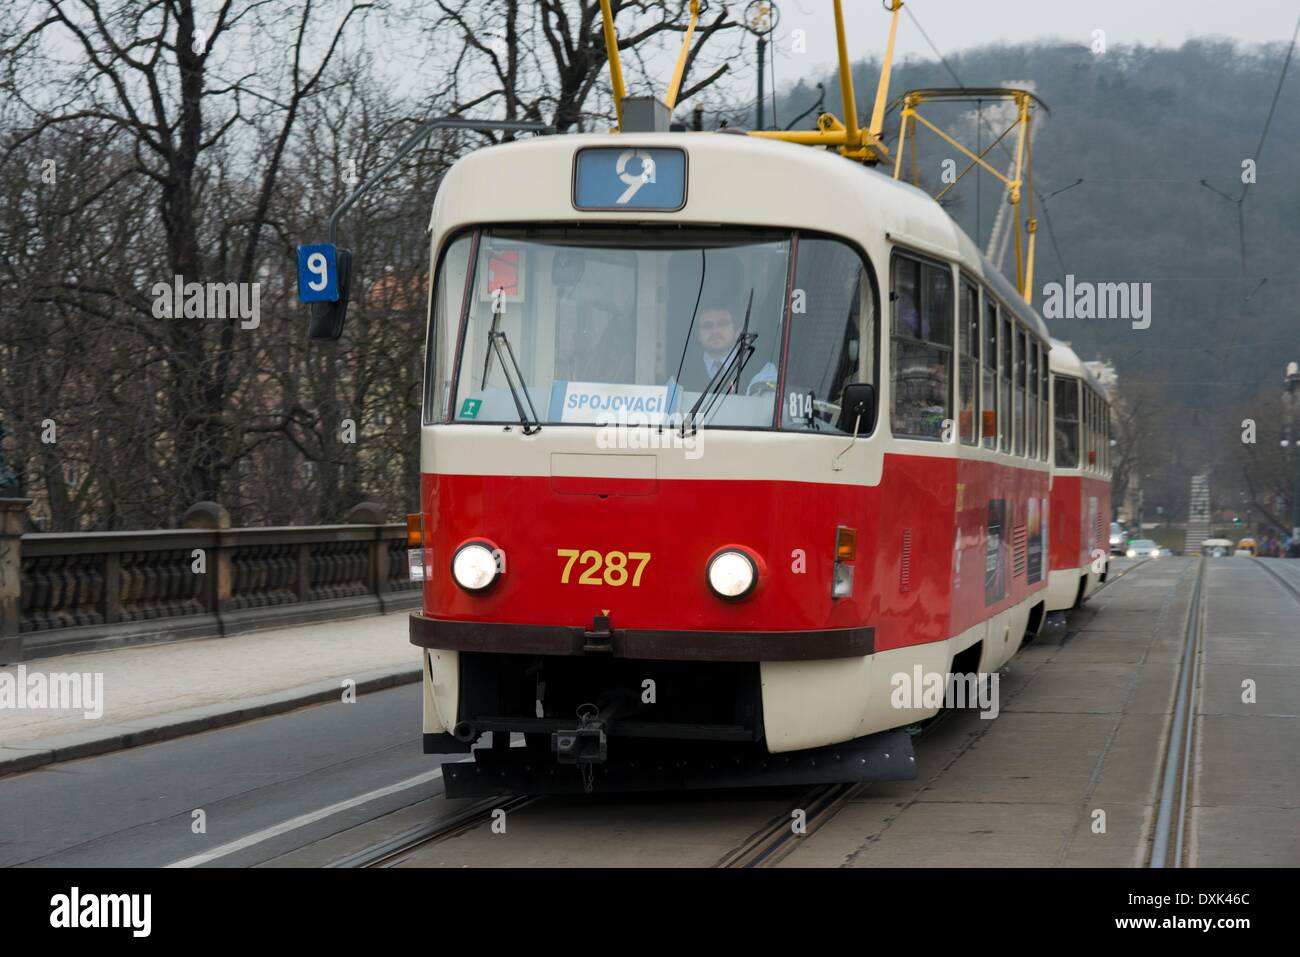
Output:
x=155 y=692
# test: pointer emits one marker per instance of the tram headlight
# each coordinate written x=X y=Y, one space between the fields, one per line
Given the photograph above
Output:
x=475 y=566
x=732 y=574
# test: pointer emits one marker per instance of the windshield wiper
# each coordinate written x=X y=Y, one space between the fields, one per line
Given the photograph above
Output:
x=728 y=372
x=497 y=339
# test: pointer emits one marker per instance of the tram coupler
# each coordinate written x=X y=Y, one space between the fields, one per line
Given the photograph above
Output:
x=588 y=743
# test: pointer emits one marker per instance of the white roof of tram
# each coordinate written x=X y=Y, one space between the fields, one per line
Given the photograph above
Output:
x=1065 y=361
x=732 y=179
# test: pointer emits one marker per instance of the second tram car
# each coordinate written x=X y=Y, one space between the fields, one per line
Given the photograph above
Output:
x=1081 y=465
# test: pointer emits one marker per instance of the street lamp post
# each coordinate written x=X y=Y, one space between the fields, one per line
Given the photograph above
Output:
x=761 y=18
x=1289 y=400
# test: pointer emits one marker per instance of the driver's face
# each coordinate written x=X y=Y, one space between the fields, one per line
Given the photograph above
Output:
x=717 y=331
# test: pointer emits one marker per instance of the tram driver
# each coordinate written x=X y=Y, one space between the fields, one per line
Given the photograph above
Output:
x=716 y=332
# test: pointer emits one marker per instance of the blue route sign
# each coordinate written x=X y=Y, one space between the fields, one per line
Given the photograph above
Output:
x=318 y=273
x=618 y=177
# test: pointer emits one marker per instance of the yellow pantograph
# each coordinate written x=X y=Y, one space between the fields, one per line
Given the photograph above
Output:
x=864 y=143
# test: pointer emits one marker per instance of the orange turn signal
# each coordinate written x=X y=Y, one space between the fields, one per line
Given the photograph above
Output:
x=414 y=531
x=846 y=543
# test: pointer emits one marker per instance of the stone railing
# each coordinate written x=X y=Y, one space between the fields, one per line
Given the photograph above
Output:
x=61 y=593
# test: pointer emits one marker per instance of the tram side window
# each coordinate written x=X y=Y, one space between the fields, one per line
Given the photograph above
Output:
x=1083 y=427
x=1096 y=432
x=969 y=334
x=1108 y=445
x=1067 y=422
x=1006 y=369
x=1085 y=437
x=1089 y=440
x=922 y=343
x=1105 y=437
x=1044 y=408
x=1031 y=404
x=990 y=365
x=1021 y=364
x=832 y=334
x=1093 y=456
x=445 y=321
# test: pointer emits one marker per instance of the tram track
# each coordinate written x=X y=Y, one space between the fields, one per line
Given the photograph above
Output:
x=778 y=838
x=1280 y=579
x=394 y=849
x=1169 y=839
x=765 y=847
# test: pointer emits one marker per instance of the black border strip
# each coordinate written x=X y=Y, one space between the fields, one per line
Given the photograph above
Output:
x=427 y=632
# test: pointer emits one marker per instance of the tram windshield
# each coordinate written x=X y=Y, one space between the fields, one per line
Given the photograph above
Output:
x=594 y=324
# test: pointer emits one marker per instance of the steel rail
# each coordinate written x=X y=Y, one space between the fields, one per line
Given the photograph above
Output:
x=1171 y=814
x=388 y=852
x=776 y=840
x=1291 y=589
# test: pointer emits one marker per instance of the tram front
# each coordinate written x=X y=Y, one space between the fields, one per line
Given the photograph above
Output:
x=642 y=498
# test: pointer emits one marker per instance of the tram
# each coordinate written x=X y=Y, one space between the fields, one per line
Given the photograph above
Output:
x=734 y=453
x=1081 y=468
x=860 y=491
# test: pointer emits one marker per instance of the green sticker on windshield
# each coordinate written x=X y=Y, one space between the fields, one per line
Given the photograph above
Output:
x=469 y=408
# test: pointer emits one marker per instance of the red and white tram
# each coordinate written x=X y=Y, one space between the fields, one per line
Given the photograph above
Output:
x=725 y=442
x=1080 y=512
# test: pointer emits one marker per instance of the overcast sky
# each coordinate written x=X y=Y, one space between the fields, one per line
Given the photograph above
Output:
x=957 y=24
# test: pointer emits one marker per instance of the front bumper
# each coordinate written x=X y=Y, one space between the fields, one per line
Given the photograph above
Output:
x=887 y=756
x=645 y=644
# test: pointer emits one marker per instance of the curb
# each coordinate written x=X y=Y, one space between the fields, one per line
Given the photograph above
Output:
x=179 y=724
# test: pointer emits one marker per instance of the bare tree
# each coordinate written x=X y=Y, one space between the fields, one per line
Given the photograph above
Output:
x=543 y=59
x=173 y=92
x=207 y=146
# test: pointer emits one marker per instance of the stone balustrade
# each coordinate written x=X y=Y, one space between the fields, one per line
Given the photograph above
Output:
x=68 y=592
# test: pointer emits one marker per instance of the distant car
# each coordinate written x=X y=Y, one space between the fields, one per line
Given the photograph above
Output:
x=1143 y=548
x=1117 y=538
x=1217 y=547
x=1248 y=546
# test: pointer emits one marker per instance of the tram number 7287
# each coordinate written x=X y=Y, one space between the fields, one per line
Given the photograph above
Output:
x=614 y=563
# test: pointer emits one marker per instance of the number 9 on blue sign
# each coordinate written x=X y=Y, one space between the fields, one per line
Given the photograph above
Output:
x=318 y=276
